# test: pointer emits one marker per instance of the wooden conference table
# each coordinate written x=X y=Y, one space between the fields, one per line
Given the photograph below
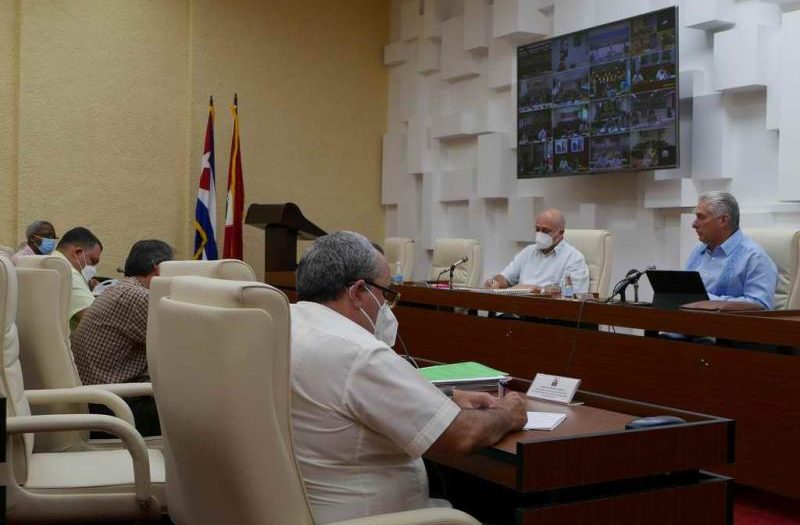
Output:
x=759 y=389
x=591 y=470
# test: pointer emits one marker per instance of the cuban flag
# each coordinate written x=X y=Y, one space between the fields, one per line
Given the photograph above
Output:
x=205 y=212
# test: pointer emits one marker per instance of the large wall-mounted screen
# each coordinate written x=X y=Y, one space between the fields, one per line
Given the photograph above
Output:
x=603 y=99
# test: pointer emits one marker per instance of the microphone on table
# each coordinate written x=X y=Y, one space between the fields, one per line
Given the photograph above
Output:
x=459 y=262
x=632 y=277
x=451 y=268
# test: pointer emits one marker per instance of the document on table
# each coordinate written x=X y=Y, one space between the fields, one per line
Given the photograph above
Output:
x=543 y=420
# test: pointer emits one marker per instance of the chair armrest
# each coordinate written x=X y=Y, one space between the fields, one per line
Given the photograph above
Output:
x=82 y=394
x=127 y=389
x=433 y=516
x=127 y=433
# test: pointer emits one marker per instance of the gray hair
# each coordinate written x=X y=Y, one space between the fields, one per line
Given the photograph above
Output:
x=332 y=263
x=34 y=226
x=722 y=203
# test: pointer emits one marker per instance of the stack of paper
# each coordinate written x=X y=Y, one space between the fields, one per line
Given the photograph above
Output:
x=465 y=376
x=543 y=420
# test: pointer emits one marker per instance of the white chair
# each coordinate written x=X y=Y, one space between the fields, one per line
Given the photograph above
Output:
x=595 y=245
x=225 y=269
x=229 y=269
x=448 y=251
x=222 y=351
x=79 y=487
x=47 y=362
x=400 y=249
x=783 y=247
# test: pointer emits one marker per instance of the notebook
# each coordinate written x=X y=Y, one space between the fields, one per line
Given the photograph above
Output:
x=498 y=291
x=543 y=420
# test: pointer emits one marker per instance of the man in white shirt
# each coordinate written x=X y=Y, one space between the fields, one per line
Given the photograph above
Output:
x=548 y=261
x=362 y=416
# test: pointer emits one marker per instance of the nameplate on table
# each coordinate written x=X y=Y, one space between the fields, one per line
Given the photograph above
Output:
x=554 y=388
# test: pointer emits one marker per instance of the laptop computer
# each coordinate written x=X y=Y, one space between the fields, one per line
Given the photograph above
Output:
x=673 y=288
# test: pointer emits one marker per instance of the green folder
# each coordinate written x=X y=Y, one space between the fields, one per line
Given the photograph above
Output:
x=467 y=371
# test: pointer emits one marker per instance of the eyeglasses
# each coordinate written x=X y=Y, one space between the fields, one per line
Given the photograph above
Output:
x=390 y=296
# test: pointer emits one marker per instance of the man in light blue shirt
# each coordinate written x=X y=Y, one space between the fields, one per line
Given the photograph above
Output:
x=733 y=267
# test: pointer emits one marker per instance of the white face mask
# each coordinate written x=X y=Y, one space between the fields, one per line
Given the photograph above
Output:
x=543 y=241
x=385 y=325
x=88 y=271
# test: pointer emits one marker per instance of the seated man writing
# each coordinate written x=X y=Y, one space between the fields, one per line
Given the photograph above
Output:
x=362 y=416
x=548 y=261
x=109 y=344
x=733 y=267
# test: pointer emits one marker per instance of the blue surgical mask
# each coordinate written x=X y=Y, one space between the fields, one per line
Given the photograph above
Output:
x=46 y=245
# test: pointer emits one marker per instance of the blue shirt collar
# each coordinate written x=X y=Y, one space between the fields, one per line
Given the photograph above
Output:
x=730 y=244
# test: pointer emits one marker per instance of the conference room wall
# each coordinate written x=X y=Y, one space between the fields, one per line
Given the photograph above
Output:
x=8 y=120
x=449 y=165
x=113 y=96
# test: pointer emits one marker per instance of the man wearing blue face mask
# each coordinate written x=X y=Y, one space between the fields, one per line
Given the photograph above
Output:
x=548 y=261
x=40 y=240
x=82 y=250
x=362 y=416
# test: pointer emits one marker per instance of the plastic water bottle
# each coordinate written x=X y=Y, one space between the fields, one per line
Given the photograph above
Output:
x=397 y=278
x=566 y=289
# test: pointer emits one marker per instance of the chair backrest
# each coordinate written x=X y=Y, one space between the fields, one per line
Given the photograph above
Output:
x=783 y=247
x=8 y=250
x=47 y=362
x=11 y=382
x=595 y=245
x=448 y=251
x=222 y=351
x=230 y=269
x=400 y=249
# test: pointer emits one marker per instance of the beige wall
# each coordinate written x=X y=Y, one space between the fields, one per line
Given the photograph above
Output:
x=112 y=108
x=8 y=119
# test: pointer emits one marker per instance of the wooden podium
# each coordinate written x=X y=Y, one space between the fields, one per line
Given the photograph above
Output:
x=283 y=224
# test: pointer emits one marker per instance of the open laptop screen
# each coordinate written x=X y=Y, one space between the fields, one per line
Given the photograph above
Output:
x=673 y=288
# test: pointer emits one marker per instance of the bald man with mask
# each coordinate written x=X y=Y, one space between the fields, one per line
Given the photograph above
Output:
x=548 y=261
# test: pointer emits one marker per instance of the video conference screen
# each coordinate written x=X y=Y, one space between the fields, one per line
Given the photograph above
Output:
x=603 y=99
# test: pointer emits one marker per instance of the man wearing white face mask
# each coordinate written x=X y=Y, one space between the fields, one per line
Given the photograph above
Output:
x=82 y=250
x=548 y=261
x=362 y=416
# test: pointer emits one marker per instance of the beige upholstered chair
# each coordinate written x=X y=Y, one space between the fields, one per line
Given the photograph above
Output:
x=400 y=249
x=99 y=485
x=229 y=269
x=45 y=354
x=595 y=245
x=221 y=350
x=783 y=247
x=226 y=269
x=448 y=251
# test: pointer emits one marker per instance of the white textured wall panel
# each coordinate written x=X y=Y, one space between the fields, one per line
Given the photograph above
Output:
x=457 y=62
x=709 y=15
x=394 y=167
x=519 y=20
x=497 y=165
x=740 y=57
x=789 y=115
x=410 y=20
x=477 y=24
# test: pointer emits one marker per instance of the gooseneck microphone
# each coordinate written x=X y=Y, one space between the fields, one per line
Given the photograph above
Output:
x=632 y=277
x=459 y=263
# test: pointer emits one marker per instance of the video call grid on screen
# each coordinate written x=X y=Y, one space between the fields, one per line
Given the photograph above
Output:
x=603 y=99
